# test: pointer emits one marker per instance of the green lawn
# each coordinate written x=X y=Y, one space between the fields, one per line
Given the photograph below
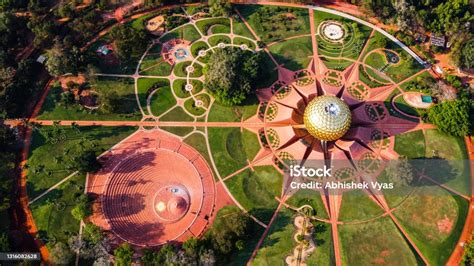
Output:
x=47 y=156
x=129 y=110
x=273 y=23
x=324 y=252
x=190 y=106
x=358 y=206
x=279 y=242
x=180 y=91
x=161 y=101
x=434 y=220
x=177 y=114
x=256 y=191
x=309 y=197
x=146 y=85
x=249 y=43
x=373 y=243
x=294 y=54
x=187 y=32
x=336 y=64
x=411 y=144
x=211 y=26
x=240 y=29
x=452 y=165
x=227 y=149
x=221 y=113
x=216 y=39
x=52 y=213
x=180 y=69
x=198 y=142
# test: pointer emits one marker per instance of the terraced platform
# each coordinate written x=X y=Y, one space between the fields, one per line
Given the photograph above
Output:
x=162 y=191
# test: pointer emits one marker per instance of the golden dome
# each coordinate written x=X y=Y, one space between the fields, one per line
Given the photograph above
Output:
x=327 y=118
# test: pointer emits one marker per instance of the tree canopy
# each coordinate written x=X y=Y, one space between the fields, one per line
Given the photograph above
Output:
x=123 y=255
x=231 y=75
x=453 y=117
x=220 y=8
x=128 y=41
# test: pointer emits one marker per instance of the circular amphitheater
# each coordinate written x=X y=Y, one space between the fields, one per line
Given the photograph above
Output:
x=158 y=194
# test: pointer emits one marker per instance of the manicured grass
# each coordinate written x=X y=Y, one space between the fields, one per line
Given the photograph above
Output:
x=161 y=100
x=221 y=113
x=177 y=114
x=198 y=46
x=365 y=78
x=214 y=25
x=198 y=142
x=190 y=106
x=256 y=191
x=377 y=242
x=324 y=252
x=452 y=165
x=407 y=67
x=376 y=60
x=216 y=39
x=129 y=110
x=294 y=54
x=251 y=144
x=181 y=92
x=411 y=144
x=355 y=37
x=241 y=29
x=357 y=206
x=336 y=64
x=158 y=67
x=227 y=149
x=249 y=43
x=52 y=213
x=187 y=32
x=401 y=104
x=434 y=219
x=145 y=87
x=279 y=242
x=180 y=69
x=309 y=197
x=273 y=23
x=271 y=73
x=47 y=156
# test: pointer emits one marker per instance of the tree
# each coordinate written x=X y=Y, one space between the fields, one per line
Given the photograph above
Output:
x=468 y=254
x=62 y=60
x=110 y=101
x=453 y=117
x=230 y=75
x=128 y=41
x=4 y=242
x=123 y=255
x=219 y=8
x=92 y=233
x=86 y=162
x=150 y=257
x=82 y=208
x=225 y=234
x=61 y=254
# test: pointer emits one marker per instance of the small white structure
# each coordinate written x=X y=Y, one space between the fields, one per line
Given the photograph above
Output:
x=41 y=59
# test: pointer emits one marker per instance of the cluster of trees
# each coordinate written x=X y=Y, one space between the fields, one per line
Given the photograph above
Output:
x=93 y=245
x=231 y=75
x=452 y=18
x=468 y=255
x=8 y=149
x=129 y=42
x=226 y=236
x=454 y=117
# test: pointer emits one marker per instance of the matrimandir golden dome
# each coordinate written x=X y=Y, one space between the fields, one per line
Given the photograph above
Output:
x=327 y=118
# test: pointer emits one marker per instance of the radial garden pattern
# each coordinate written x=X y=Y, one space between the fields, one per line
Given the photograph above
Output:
x=246 y=149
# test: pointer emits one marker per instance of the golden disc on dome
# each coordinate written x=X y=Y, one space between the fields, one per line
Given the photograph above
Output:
x=327 y=118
